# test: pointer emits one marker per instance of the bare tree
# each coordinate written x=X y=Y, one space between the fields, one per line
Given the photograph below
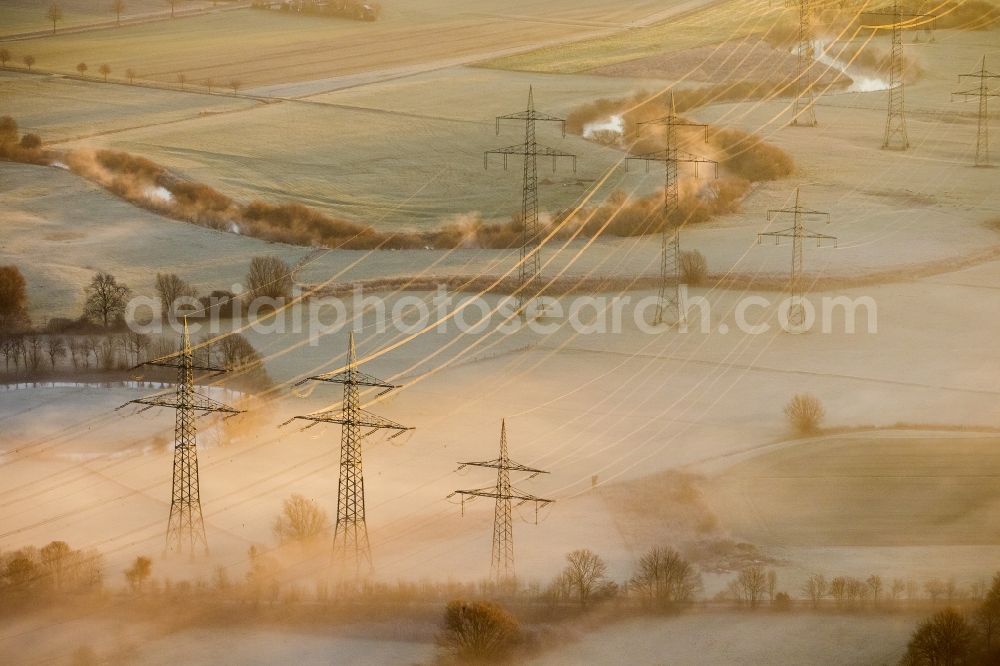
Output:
x=585 y=572
x=269 y=277
x=136 y=344
x=896 y=589
x=235 y=84
x=772 y=583
x=875 y=587
x=209 y=84
x=182 y=79
x=105 y=69
x=750 y=585
x=139 y=572
x=805 y=413
x=81 y=67
x=106 y=298
x=118 y=6
x=4 y=57
x=935 y=589
x=815 y=588
x=34 y=346
x=988 y=614
x=666 y=579
x=29 y=61
x=54 y=14
x=945 y=639
x=170 y=287
x=301 y=520
x=55 y=559
x=130 y=75
x=173 y=4
x=55 y=347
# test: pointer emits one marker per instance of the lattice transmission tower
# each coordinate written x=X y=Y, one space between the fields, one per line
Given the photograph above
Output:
x=983 y=92
x=530 y=262
x=352 y=556
x=895 y=136
x=804 y=107
x=798 y=233
x=186 y=525
x=670 y=238
x=503 y=493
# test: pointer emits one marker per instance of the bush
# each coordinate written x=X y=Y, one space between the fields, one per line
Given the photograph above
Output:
x=479 y=631
x=694 y=268
x=782 y=601
x=945 y=638
x=805 y=413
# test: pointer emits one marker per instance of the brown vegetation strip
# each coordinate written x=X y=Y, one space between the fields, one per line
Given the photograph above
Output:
x=574 y=285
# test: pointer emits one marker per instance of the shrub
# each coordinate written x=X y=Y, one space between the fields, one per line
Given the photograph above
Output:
x=479 y=631
x=694 y=268
x=805 y=412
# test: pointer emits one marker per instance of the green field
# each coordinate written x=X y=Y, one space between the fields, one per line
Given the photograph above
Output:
x=866 y=491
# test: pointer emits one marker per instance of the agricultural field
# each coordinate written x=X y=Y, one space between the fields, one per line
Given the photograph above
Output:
x=644 y=435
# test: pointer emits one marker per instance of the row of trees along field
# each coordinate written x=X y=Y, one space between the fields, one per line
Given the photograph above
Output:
x=100 y=339
x=489 y=622
x=210 y=85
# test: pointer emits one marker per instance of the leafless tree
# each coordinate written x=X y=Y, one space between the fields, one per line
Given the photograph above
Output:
x=235 y=84
x=585 y=572
x=136 y=344
x=805 y=413
x=182 y=79
x=105 y=69
x=55 y=347
x=81 y=68
x=170 y=287
x=34 y=345
x=269 y=277
x=750 y=585
x=988 y=614
x=301 y=520
x=666 y=579
x=54 y=14
x=106 y=298
x=139 y=572
x=55 y=559
x=29 y=61
x=209 y=84
x=815 y=588
x=118 y=6
x=896 y=589
x=772 y=584
x=4 y=57
x=173 y=4
x=935 y=589
x=130 y=75
x=875 y=587
x=945 y=639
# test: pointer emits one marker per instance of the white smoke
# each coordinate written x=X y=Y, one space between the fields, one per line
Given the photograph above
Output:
x=614 y=124
x=159 y=194
x=859 y=82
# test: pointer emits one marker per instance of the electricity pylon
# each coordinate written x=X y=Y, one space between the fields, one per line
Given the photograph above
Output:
x=895 y=136
x=502 y=562
x=530 y=256
x=670 y=243
x=797 y=232
x=352 y=555
x=186 y=525
x=804 y=108
x=983 y=92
